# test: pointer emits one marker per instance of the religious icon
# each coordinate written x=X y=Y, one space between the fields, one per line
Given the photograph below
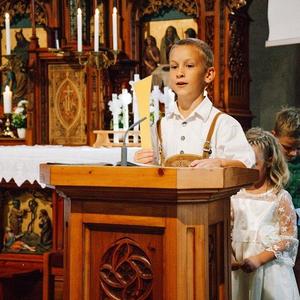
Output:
x=170 y=38
x=151 y=55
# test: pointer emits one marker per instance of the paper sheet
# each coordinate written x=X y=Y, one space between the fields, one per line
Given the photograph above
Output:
x=142 y=90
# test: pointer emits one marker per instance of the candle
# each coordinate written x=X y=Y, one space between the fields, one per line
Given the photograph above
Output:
x=56 y=40
x=79 y=30
x=7 y=33
x=96 y=31
x=7 y=96
x=115 y=29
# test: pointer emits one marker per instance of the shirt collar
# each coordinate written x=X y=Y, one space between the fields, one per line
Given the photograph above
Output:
x=202 y=110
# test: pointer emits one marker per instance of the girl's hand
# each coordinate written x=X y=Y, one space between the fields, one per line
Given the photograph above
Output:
x=234 y=264
x=144 y=156
x=207 y=163
x=251 y=263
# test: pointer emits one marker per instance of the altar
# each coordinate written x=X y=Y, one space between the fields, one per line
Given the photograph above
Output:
x=22 y=271
x=22 y=163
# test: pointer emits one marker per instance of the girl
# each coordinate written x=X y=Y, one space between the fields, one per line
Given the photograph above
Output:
x=264 y=230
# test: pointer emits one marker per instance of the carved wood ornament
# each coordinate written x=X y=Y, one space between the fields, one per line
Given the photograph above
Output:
x=188 y=7
x=21 y=9
x=126 y=271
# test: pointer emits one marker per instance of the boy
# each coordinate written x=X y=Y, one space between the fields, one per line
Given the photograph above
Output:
x=186 y=128
x=287 y=131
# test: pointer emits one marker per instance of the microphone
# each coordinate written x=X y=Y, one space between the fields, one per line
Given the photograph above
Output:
x=124 y=161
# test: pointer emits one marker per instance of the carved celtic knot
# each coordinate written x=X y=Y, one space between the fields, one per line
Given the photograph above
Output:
x=126 y=271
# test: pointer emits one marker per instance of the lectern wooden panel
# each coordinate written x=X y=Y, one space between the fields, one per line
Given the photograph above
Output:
x=147 y=233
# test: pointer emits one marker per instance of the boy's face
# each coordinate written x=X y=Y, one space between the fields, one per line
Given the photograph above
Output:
x=188 y=75
x=290 y=146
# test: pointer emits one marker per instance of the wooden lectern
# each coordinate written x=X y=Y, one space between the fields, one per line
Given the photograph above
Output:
x=145 y=232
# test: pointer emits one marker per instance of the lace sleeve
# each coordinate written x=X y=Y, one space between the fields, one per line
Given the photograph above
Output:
x=287 y=243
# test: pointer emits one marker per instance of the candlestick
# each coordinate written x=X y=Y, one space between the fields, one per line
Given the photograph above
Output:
x=96 y=30
x=115 y=29
x=79 y=30
x=7 y=34
x=7 y=96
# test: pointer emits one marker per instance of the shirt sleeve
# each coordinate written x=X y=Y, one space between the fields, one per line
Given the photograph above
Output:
x=231 y=142
x=287 y=245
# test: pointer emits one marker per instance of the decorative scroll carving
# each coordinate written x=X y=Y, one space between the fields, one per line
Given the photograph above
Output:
x=209 y=5
x=237 y=55
x=21 y=9
x=235 y=4
x=209 y=31
x=188 y=7
x=126 y=271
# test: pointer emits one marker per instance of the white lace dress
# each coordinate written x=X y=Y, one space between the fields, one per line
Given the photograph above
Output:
x=264 y=222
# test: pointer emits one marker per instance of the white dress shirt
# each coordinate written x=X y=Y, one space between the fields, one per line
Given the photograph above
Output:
x=187 y=135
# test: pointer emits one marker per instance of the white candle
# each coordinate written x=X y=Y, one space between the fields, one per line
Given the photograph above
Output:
x=7 y=96
x=56 y=40
x=115 y=29
x=79 y=30
x=96 y=31
x=7 y=33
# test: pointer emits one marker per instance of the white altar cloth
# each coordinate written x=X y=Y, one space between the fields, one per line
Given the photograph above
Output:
x=22 y=163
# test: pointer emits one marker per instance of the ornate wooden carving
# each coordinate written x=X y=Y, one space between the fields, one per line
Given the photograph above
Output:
x=188 y=7
x=238 y=57
x=235 y=4
x=21 y=9
x=126 y=271
x=209 y=5
x=67 y=103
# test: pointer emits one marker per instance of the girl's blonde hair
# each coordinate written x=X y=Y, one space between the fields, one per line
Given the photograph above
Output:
x=277 y=169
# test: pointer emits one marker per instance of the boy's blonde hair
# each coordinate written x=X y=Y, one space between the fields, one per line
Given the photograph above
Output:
x=287 y=123
x=203 y=47
x=277 y=169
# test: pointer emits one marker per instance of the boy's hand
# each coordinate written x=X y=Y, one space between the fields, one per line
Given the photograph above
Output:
x=207 y=163
x=144 y=156
x=251 y=263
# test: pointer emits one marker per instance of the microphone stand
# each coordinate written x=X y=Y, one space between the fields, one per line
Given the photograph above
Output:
x=124 y=161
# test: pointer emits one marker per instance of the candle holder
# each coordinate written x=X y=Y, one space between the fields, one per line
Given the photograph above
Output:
x=102 y=59
x=7 y=127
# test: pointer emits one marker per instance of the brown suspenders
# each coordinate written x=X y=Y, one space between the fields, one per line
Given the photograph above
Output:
x=206 y=147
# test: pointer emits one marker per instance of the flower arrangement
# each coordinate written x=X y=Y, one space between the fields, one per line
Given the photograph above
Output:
x=19 y=116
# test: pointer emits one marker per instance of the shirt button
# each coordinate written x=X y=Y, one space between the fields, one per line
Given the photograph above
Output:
x=183 y=138
x=181 y=152
x=184 y=124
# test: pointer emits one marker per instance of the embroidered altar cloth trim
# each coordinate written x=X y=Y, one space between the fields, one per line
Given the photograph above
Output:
x=22 y=163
